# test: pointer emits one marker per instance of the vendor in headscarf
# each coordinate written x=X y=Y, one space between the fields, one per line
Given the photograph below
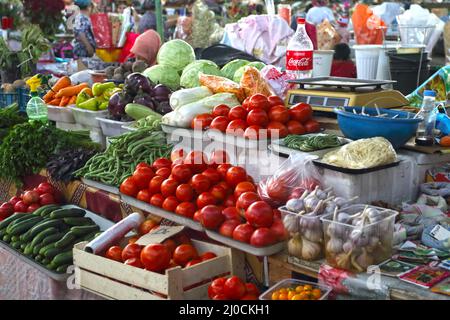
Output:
x=84 y=42
x=146 y=47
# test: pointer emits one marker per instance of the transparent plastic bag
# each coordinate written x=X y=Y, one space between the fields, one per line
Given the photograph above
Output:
x=252 y=83
x=219 y=84
x=277 y=80
x=327 y=36
x=293 y=177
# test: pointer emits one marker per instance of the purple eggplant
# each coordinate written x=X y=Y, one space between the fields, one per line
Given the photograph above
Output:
x=144 y=99
x=117 y=103
x=163 y=107
x=136 y=81
x=161 y=92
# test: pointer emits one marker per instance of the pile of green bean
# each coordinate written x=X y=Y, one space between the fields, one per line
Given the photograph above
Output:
x=308 y=143
x=123 y=155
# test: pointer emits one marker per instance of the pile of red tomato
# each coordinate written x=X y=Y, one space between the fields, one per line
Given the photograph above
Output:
x=259 y=112
x=157 y=257
x=220 y=196
x=232 y=288
x=29 y=200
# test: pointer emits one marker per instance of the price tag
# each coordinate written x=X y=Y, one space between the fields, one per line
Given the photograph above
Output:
x=440 y=233
x=159 y=234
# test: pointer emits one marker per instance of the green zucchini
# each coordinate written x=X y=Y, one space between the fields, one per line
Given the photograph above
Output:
x=66 y=213
x=81 y=231
x=66 y=240
x=63 y=258
x=79 y=221
x=28 y=216
x=38 y=228
x=24 y=226
x=45 y=210
x=41 y=235
x=12 y=218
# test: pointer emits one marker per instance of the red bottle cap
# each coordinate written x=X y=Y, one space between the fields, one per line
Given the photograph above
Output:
x=300 y=20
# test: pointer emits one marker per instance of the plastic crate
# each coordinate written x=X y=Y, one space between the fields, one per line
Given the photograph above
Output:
x=8 y=98
x=21 y=96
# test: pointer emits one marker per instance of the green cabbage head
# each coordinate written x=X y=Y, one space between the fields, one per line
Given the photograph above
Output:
x=175 y=54
x=162 y=74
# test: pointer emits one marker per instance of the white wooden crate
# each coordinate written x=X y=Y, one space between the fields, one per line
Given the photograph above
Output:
x=115 y=280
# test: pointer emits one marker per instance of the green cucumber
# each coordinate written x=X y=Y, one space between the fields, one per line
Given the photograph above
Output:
x=45 y=261
x=79 y=221
x=41 y=235
x=41 y=227
x=23 y=246
x=66 y=240
x=39 y=258
x=16 y=244
x=66 y=213
x=24 y=226
x=63 y=268
x=45 y=248
x=138 y=111
x=81 y=231
x=11 y=218
x=63 y=258
x=2 y=233
x=15 y=238
x=28 y=216
x=28 y=250
x=53 y=238
x=45 y=210
x=50 y=266
x=89 y=236
x=52 y=252
x=7 y=238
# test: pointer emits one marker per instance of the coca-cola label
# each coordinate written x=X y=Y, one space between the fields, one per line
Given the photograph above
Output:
x=299 y=60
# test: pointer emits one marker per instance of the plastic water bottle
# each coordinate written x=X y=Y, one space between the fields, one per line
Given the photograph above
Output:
x=299 y=54
x=428 y=111
x=36 y=107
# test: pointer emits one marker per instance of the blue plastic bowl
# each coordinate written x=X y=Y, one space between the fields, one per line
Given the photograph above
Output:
x=398 y=131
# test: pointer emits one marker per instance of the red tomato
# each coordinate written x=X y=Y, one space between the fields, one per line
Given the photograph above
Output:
x=312 y=126
x=275 y=101
x=132 y=250
x=220 y=110
x=197 y=216
x=169 y=187
x=257 y=117
x=200 y=183
x=252 y=132
x=143 y=165
x=216 y=288
x=242 y=187
x=277 y=130
x=207 y=256
x=219 y=193
x=243 y=232
x=251 y=289
x=201 y=121
x=258 y=101
x=157 y=200
x=14 y=200
x=170 y=203
x=245 y=103
x=278 y=229
x=236 y=113
x=213 y=175
x=192 y=262
x=177 y=154
x=181 y=173
x=259 y=214
x=231 y=213
x=263 y=237
x=30 y=197
x=197 y=160
x=301 y=112
x=295 y=127
x=184 y=192
x=235 y=175
x=236 y=127
x=279 y=113
x=135 y=262
x=184 y=253
x=46 y=198
x=155 y=184
x=114 y=253
x=228 y=226
x=230 y=201
x=249 y=297
x=155 y=257
x=205 y=199
x=143 y=195
x=223 y=168
x=147 y=226
x=45 y=187
x=7 y=209
x=129 y=187
x=186 y=209
x=226 y=187
x=276 y=213
x=177 y=161
x=219 y=157
x=246 y=199
x=163 y=172
x=33 y=207
x=142 y=177
x=160 y=163
x=234 y=288
x=170 y=244
x=220 y=123
x=211 y=217
x=20 y=206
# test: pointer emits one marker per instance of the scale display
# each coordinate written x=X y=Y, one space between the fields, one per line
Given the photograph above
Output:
x=318 y=100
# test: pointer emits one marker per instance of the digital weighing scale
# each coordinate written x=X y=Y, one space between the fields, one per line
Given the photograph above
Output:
x=325 y=93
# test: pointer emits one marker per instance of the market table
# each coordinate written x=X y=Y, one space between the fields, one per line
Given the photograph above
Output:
x=280 y=268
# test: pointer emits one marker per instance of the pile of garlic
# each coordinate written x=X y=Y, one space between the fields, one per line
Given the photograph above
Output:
x=301 y=218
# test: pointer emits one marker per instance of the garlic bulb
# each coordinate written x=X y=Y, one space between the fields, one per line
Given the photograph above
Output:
x=334 y=245
x=347 y=246
x=295 y=205
x=295 y=246
x=290 y=222
x=343 y=217
x=310 y=250
x=314 y=235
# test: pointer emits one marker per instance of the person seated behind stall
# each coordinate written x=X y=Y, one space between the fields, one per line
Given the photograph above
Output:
x=342 y=65
x=146 y=47
x=84 y=42
x=148 y=19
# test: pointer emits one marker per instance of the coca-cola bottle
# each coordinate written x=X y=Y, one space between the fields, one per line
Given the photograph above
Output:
x=299 y=54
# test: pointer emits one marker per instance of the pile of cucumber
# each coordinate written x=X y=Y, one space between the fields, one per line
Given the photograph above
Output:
x=48 y=234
